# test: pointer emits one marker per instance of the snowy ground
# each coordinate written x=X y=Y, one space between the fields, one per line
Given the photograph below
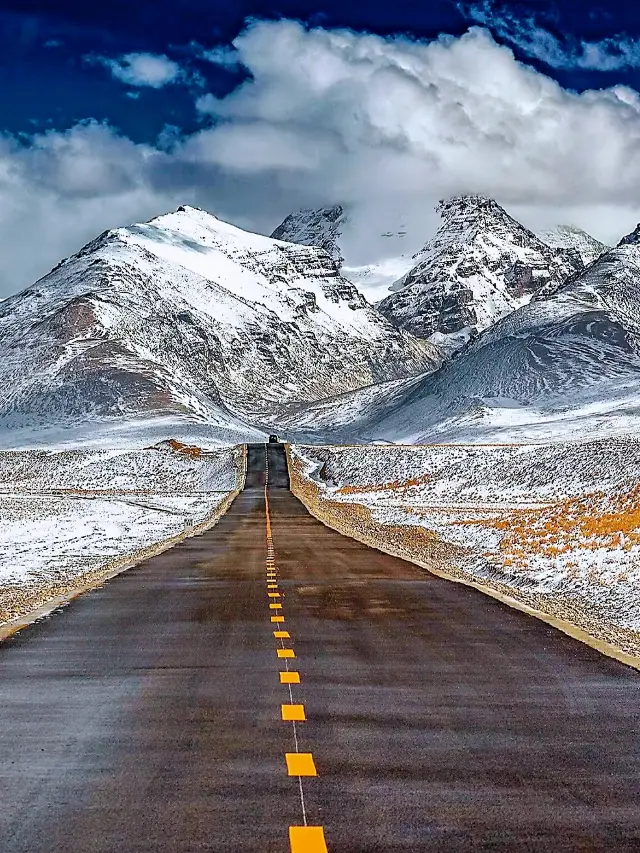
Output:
x=557 y=526
x=66 y=515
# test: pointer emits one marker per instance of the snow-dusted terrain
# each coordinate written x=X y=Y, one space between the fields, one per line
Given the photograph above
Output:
x=480 y=265
x=190 y=318
x=564 y=366
x=555 y=526
x=191 y=327
x=68 y=515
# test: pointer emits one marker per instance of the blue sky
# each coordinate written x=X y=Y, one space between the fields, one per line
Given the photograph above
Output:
x=120 y=110
x=50 y=81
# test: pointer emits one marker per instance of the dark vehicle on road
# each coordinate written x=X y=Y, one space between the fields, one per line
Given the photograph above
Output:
x=273 y=439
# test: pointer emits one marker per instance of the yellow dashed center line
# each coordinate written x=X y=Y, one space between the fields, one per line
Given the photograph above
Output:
x=286 y=653
x=290 y=678
x=293 y=712
x=307 y=839
x=302 y=839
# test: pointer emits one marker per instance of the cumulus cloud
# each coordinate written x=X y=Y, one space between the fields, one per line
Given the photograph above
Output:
x=608 y=54
x=143 y=69
x=386 y=125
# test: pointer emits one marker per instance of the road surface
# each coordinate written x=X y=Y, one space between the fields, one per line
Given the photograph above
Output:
x=148 y=715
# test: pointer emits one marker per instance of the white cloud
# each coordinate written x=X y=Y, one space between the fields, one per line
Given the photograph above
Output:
x=386 y=125
x=143 y=69
x=222 y=55
x=608 y=54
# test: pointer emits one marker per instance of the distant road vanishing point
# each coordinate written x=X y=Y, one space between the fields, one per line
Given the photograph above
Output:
x=273 y=686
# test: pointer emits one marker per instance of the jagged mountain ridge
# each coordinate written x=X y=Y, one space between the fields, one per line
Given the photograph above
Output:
x=479 y=267
x=564 y=363
x=190 y=316
x=343 y=232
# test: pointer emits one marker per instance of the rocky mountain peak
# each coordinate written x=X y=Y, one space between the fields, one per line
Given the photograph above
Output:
x=188 y=316
x=480 y=265
x=573 y=239
x=469 y=205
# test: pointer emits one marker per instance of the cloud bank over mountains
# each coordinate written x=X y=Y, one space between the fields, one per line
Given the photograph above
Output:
x=333 y=116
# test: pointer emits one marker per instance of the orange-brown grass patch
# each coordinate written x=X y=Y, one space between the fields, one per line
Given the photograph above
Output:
x=394 y=485
x=190 y=450
x=596 y=520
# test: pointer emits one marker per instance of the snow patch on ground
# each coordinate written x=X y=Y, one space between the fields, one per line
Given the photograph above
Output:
x=69 y=513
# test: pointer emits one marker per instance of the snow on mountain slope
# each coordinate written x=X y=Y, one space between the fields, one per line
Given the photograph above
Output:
x=480 y=266
x=572 y=357
x=564 y=367
x=574 y=239
x=190 y=317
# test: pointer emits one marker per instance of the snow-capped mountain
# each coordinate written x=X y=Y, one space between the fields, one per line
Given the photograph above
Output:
x=565 y=364
x=574 y=239
x=479 y=267
x=189 y=316
x=374 y=248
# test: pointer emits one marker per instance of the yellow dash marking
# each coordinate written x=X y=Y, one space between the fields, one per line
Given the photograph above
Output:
x=273 y=594
x=293 y=712
x=282 y=635
x=272 y=586
x=307 y=839
x=275 y=606
x=289 y=678
x=300 y=764
x=286 y=653
x=277 y=618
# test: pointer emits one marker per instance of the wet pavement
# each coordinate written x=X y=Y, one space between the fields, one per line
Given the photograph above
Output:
x=146 y=715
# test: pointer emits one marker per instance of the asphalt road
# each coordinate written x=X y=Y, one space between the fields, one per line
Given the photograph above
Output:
x=147 y=715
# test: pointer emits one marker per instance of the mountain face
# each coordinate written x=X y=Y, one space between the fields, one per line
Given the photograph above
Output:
x=569 y=361
x=574 y=239
x=189 y=316
x=321 y=227
x=372 y=253
x=480 y=266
